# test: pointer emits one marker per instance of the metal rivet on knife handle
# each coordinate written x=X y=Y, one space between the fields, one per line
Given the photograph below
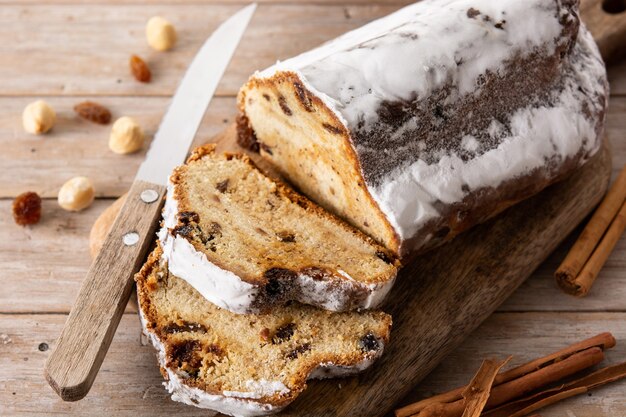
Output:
x=131 y=239
x=149 y=196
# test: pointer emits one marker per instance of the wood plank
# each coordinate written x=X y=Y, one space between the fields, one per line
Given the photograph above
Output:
x=129 y=382
x=44 y=265
x=528 y=336
x=540 y=292
x=76 y=147
x=67 y=56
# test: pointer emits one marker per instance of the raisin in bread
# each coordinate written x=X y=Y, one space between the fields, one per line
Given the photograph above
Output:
x=435 y=118
x=247 y=242
x=248 y=365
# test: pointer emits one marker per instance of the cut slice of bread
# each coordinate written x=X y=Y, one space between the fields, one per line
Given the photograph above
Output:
x=248 y=364
x=248 y=243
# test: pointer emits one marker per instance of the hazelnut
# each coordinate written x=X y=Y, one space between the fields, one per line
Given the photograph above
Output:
x=76 y=194
x=126 y=136
x=38 y=117
x=160 y=33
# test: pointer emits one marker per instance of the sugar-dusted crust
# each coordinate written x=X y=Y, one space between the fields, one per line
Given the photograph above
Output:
x=276 y=281
x=172 y=326
x=448 y=112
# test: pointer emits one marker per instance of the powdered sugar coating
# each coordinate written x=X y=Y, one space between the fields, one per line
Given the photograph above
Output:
x=234 y=405
x=260 y=389
x=237 y=403
x=415 y=50
x=227 y=290
x=536 y=137
x=395 y=81
x=221 y=287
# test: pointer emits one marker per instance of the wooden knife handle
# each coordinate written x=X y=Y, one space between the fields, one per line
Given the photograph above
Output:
x=76 y=358
x=606 y=20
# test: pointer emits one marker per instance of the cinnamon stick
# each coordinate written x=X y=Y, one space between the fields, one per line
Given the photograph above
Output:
x=588 y=275
x=529 y=382
x=602 y=340
x=477 y=392
x=567 y=273
x=542 y=399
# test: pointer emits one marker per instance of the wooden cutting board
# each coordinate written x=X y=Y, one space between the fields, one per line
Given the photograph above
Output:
x=442 y=296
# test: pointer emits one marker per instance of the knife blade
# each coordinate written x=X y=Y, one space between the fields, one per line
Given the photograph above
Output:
x=190 y=102
x=80 y=349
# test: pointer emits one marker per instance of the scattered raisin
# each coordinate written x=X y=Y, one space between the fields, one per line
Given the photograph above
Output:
x=276 y=281
x=369 y=343
x=185 y=230
x=282 y=102
x=299 y=350
x=246 y=137
x=283 y=333
x=222 y=186
x=188 y=216
x=332 y=129
x=286 y=237
x=94 y=112
x=215 y=350
x=266 y=148
x=184 y=327
x=384 y=257
x=139 y=69
x=185 y=353
x=303 y=97
x=27 y=208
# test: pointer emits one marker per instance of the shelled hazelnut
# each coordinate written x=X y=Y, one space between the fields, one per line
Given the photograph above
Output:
x=38 y=117
x=160 y=33
x=126 y=136
x=76 y=194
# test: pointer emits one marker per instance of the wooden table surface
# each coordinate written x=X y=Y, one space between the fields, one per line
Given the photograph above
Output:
x=67 y=51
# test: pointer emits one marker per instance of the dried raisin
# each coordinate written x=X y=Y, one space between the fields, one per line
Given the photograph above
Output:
x=94 y=112
x=139 y=69
x=27 y=208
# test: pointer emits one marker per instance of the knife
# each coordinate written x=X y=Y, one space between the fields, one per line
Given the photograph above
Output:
x=75 y=360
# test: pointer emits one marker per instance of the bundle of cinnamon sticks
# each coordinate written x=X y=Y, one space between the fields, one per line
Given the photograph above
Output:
x=524 y=389
x=581 y=266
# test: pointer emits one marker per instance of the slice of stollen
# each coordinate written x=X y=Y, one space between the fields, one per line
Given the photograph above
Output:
x=248 y=243
x=248 y=365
